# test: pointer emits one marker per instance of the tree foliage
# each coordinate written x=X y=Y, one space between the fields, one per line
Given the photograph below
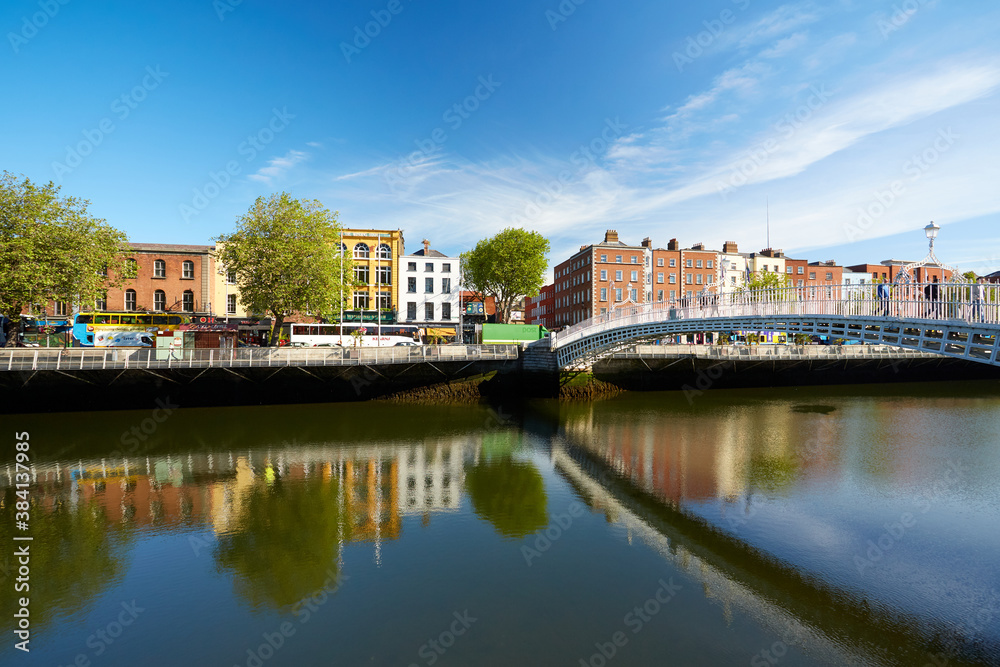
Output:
x=285 y=253
x=510 y=494
x=51 y=249
x=507 y=267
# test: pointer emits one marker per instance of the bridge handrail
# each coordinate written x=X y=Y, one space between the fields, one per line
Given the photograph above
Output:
x=954 y=301
x=110 y=358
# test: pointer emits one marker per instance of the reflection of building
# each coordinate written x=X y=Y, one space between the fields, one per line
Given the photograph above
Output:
x=431 y=478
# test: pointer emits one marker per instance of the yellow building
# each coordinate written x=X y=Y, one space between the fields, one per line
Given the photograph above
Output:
x=375 y=254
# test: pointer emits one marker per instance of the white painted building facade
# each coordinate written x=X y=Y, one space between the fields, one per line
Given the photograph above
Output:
x=429 y=293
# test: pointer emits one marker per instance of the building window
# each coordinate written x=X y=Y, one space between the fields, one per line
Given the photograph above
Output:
x=159 y=269
x=698 y=279
x=130 y=299
x=411 y=311
x=385 y=300
x=361 y=251
x=659 y=261
x=604 y=258
x=446 y=286
x=429 y=312
x=131 y=267
x=635 y=260
x=618 y=294
x=445 y=311
x=698 y=264
x=710 y=279
x=101 y=303
x=59 y=308
x=384 y=275
x=411 y=285
x=187 y=301
x=829 y=275
x=634 y=296
x=429 y=267
x=361 y=274
x=618 y=275
x=411 y=266
x=659 y=278
x=618 y=259
x=361 y=300
x=799 y=270
x=659 y=295
x=384 y=251
x=604 y=274
x=673 y=263
x=231 y=277
x=708 y=264
x=687 y=278
x=446 y=268
x=187 y=270
x=604 y=294
x=812 y=275
x=688 y=263
x=635 y=276
x=799 y=283
x=428 y=285
x=160 y=300
x=673 y=294
x=788 y=269
x=342 y=250
x=231 y=304
x=673 y=278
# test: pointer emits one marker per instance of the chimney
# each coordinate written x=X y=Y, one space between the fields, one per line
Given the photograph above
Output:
x=673 y=245
x=729 y=247
x=698 y=246
x=647 y=242
x=611 y=236
x=427 y=247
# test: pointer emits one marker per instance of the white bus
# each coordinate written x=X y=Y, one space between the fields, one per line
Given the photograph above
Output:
x=371 y=335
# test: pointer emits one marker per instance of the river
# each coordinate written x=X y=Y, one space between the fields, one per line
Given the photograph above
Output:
x=811 y=526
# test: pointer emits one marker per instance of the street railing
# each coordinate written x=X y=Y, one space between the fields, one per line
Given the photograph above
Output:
x=911 y=301
x=110 y=358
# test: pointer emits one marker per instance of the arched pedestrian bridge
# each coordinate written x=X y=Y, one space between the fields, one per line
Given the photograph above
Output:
x=955 y=324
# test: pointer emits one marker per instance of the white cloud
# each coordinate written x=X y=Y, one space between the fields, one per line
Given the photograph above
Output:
x=278 y=166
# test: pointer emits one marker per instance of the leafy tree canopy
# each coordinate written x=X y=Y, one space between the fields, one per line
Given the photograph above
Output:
x=510 y=494
x=51 y=249
x=507 y=267
x=285 y=253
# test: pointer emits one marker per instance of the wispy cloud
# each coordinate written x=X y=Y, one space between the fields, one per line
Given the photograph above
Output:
x=278 y=166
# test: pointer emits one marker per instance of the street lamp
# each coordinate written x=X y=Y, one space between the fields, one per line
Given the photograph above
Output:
x=931 y=231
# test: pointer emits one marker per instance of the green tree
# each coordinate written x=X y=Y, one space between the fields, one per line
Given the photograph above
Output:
x=51 y=249
x=285 y=253
x=507 y=267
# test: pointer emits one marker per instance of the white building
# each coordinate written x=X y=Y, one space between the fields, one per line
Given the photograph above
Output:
x=857 y=277
x=733 y=266
x=429 y=292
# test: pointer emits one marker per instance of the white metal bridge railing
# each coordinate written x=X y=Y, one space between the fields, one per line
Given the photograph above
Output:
x=909 y=301
x=70 y=359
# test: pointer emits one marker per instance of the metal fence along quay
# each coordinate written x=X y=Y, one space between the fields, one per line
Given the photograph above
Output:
x=68 y=359
x=952 y=319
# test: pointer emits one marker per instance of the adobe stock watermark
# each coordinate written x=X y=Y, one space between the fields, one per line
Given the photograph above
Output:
x=562 y=13
x=901 y=14
x=704 y=380
x=223 y=7
x=302 y=610
x=635 y=620
x=249 y=148
x=381 y=18
x=104 y=637
x=122 y=107
x=454 y=117
x=546 y=537
x=30 y=25
x=433 y=649
x=895 y=531
x=914 y=169
x=757 y=156
x=583 y=158
x=696 y=44
x=132 y=439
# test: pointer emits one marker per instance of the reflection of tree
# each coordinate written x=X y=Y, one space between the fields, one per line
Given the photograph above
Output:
x=771 y=473
x=75 y=555
x=285 y=544
x=509 y=494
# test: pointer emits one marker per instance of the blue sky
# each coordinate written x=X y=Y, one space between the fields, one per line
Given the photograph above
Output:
x=857 y=121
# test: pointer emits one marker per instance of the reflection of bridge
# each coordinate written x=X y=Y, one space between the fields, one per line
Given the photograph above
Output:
x=952 y=324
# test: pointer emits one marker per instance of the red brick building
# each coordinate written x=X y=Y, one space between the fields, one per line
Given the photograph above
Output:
x=889 y=269
x=540 y=309
x=169 y=278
